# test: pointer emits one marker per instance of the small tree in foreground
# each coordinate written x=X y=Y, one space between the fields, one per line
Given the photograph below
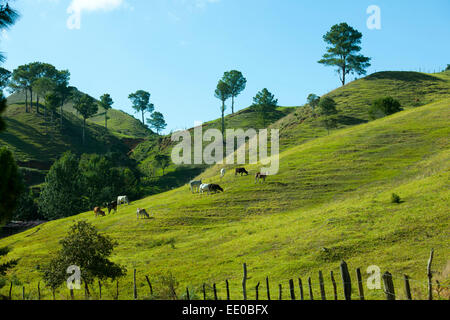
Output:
x=85 y=248
x=384 y=107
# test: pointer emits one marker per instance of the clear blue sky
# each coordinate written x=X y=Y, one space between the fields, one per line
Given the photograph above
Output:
x=178 y=49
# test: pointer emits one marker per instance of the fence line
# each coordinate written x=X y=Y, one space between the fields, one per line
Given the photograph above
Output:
x=284 y=289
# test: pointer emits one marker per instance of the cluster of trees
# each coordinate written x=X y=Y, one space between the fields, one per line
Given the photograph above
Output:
x=141 y=103
x=77 y=184
x=230 y=86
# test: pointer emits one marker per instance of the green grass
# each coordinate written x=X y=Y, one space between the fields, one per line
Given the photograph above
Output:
x=333 y=192
x=31 y=138
x=120 y=123
x=412 y=89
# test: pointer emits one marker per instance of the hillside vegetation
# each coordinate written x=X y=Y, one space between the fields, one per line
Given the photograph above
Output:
x=119 y=122
x=411 y=89
x=330 y=201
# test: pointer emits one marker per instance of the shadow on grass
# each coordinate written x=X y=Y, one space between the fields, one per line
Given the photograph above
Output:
x=403 y=76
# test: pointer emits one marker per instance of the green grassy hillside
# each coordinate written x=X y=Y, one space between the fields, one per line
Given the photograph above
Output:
x=37 y=143
x=412 y=89
x=119 y=123
x=330 y=201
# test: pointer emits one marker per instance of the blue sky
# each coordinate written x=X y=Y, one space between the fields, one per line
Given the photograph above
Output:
x=178 y=49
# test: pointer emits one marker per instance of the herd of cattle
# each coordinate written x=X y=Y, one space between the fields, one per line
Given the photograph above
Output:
x=195 y=186
x=112 y=206
x=200 y=187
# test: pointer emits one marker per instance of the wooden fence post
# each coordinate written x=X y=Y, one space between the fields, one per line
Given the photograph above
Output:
x=388 y=286
x=39 y=290
x=135 y=294
x=204 y=292
x=430 y=276
x=215 y=292
x=280 y=289
x=117 y=290
x=268 y=288
x=346 y=281
x=360 y=284
x=53 y=294
x=300 y=285
x=244 y=282
x=407 y=287
x=187 y=294
x=100 y=289
x=291 y=288
x=228 y=289
x=311 y=296
x=334 y=286
x=257 y=292
x=72 y=295
x=322 y=286
x=23 y=292
x=149 y=285
x=10 y=291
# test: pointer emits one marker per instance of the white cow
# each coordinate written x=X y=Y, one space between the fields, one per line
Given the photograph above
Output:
x=204 y=187
x=195 y=185
x=222 y=173
x=122 y=200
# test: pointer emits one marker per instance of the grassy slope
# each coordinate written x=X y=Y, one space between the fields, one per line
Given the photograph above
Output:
x=412 y=89
x=119 y=123
x=333 y=192
x=31 y=139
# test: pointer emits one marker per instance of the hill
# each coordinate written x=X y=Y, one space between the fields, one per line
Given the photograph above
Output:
x=119 y=123
x=37 y=143
x=412 y=89
x=330 y=201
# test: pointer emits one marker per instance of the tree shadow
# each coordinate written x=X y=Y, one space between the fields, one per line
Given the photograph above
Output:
x=409 y=76
x=350 y=121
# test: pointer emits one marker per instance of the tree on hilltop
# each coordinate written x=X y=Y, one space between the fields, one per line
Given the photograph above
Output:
x=236 y=82
x=106 y=103
x=87 y=107
x=223 y=93
x=342 y=52
x=141 y=103
x=264 y=102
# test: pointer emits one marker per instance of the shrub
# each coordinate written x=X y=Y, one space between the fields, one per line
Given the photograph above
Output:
x=384 y=107
x=395 y=198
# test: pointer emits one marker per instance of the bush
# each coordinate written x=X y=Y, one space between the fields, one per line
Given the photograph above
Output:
x=11 y=185
x=384 y=107
x=395 y=198
x=27 y=209
x=448 y=67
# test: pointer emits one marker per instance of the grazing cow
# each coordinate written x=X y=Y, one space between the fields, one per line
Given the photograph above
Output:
x=142 y=213
x=222 y=173
x=241 y=171
x=98 y=212
x=215 y=188
x=195 y=185
x=259 y=176
x=111 y=206
x=210 y=188
x=204 y=187
x=122 y=200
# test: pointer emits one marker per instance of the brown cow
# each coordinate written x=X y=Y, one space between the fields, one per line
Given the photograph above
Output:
x=98 y=212
x=259 y=176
